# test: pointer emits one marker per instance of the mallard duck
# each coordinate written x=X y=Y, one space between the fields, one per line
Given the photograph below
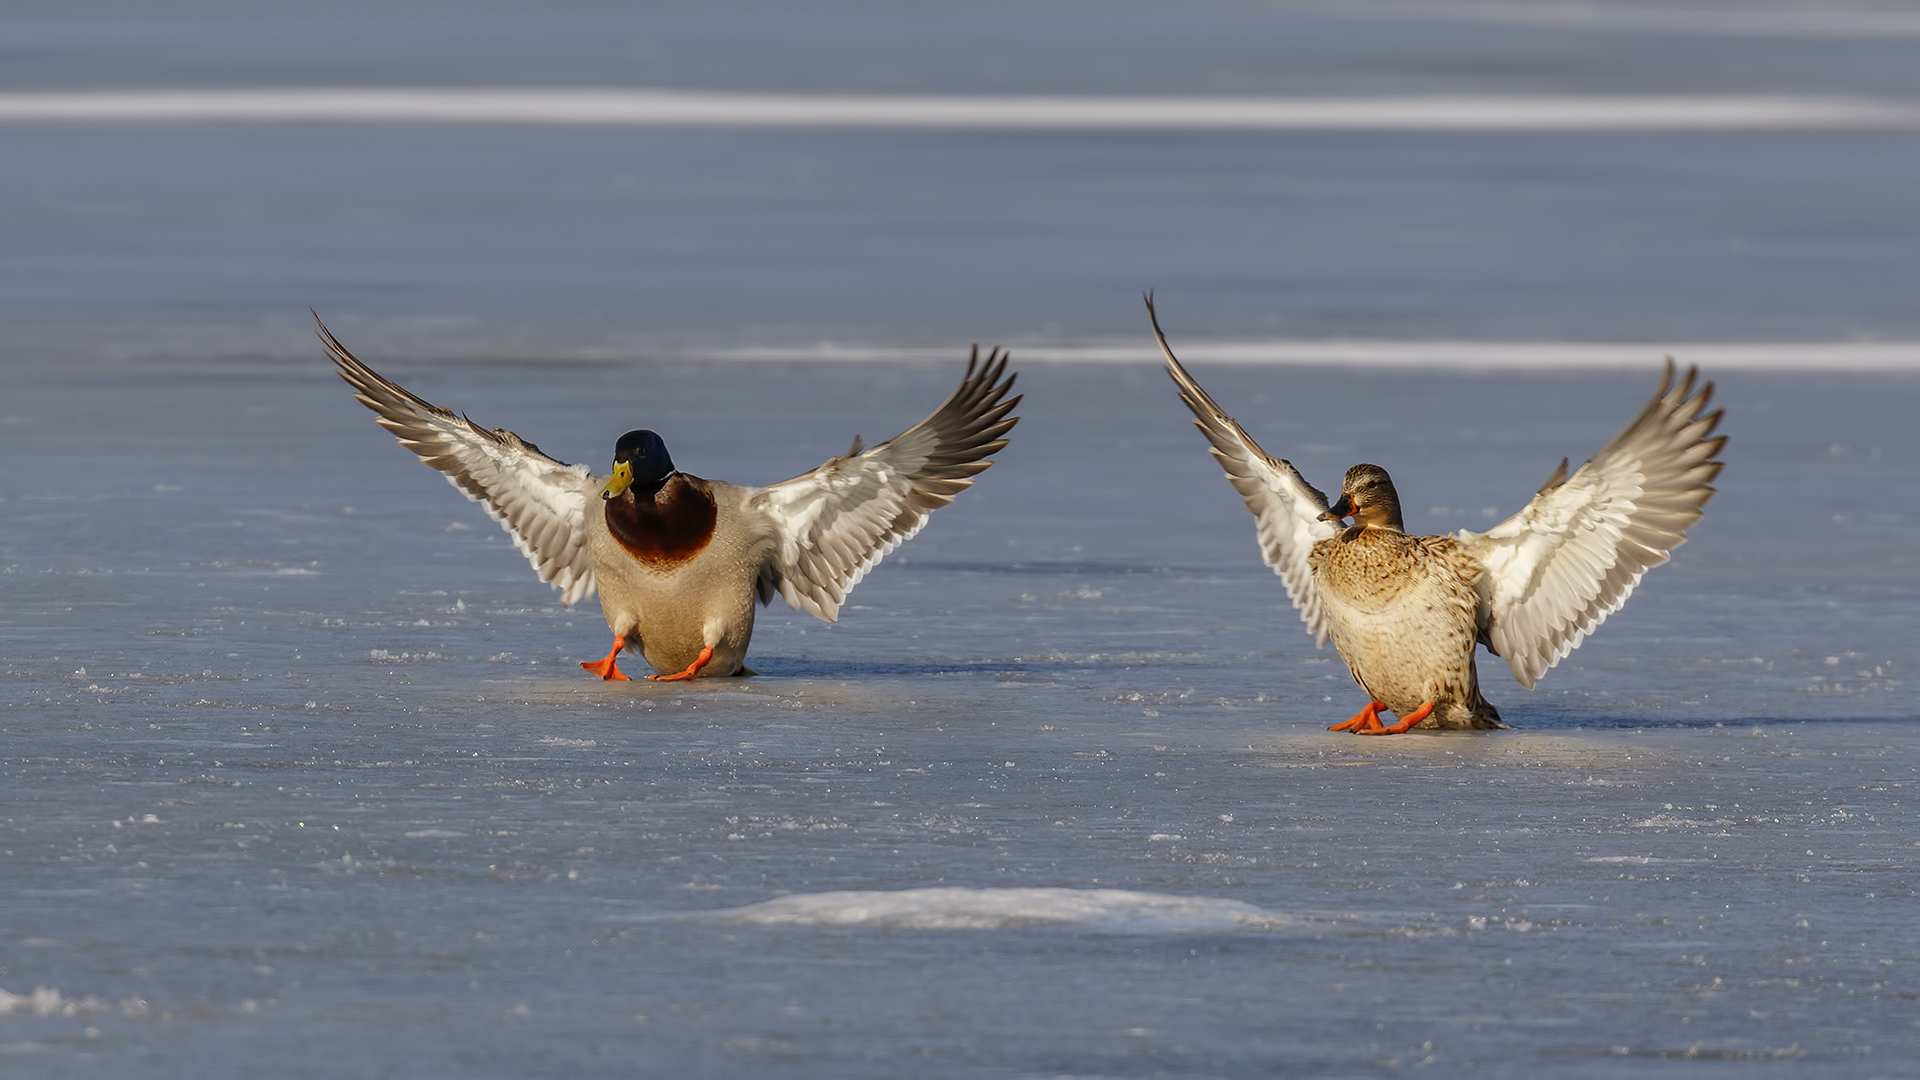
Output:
x=679 y=561
x=1405 y=612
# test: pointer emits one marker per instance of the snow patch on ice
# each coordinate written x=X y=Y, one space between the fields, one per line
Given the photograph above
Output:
x=1109 y=658
x=382 y=656
x=1674 y=821
x=1110 y=910
x=46 y=1001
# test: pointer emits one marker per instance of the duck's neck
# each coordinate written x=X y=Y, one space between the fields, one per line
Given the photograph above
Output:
x=1380 y=515
x=647 y=492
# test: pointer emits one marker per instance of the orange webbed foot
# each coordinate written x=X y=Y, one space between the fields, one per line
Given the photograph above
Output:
x=605 y=666
x=706 y=654
x=1406 y=722
x=1367 y=719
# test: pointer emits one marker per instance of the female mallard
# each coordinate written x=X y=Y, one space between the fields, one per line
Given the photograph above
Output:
x=679 y=560
x=1406 y=611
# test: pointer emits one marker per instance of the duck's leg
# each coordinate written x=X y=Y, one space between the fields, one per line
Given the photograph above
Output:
x=693 y=669
x=1406 y=722
x=1367 y=719
x=605 y=667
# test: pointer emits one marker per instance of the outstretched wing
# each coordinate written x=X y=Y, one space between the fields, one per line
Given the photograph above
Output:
x=1286 y=507
x=1559 y=567
x=835 y=523
x=542 y=503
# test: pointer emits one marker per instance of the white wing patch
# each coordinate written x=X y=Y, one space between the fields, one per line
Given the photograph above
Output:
x=542 y=503
x=837 y=522
x=1571 y=557
x=1286 y=508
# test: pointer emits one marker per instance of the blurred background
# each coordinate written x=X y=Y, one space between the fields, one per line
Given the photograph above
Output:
x=189 y=238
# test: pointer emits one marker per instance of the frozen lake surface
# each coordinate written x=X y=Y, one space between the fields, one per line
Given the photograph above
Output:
x=196 y=239
x=300 y=775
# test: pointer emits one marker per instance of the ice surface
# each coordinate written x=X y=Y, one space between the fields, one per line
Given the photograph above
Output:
x=459 y=241
x=373 y=812
x=1113 y=911
x=298 y=775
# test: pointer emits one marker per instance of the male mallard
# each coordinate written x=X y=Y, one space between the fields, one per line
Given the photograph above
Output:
x=1406 y=611
x=678 y=560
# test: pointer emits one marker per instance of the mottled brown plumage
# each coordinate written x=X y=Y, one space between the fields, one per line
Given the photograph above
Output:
x=1401 y=612
x=1406 y=611
x=1400 y=608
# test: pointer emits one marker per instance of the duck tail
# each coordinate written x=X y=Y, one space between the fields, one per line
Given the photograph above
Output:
x=1480 y=712
x=1485 y=716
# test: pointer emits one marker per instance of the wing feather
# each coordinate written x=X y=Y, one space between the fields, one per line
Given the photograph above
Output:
x=1286 y=508
x=542 y=503
x=1571 y=557
x=837 y=522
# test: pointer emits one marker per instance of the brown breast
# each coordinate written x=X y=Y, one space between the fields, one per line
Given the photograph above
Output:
x=667 y=529
x=1371 y=568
